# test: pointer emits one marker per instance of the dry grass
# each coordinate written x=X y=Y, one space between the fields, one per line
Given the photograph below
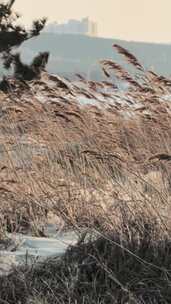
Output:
x=104 y=169
x=131 y=265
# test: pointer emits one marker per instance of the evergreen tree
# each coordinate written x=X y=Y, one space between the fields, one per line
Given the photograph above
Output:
x=12 y=36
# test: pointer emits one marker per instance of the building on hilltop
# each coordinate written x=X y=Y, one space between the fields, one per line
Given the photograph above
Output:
x=91 y=28
x=84 y=27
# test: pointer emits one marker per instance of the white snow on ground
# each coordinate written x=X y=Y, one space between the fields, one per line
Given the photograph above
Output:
x=30 y=249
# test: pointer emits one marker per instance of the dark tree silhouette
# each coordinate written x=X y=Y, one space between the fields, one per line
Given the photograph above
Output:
x=12 y=36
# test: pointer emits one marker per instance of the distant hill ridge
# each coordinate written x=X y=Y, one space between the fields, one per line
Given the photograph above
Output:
x=76 y=53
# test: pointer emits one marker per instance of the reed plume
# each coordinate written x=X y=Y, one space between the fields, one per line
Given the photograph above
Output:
x=120 y=72
x=80 y=77
x=106 y=73
x=129 y=57
x=161 y=156
x=159 y=80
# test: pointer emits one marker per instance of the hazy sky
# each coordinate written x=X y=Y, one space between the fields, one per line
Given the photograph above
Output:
x=144 y=20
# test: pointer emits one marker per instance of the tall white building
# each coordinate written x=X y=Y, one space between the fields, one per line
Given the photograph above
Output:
x=84 y=27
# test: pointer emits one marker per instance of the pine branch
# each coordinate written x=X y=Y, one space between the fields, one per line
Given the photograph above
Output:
x=38 y=26
x=12 y=36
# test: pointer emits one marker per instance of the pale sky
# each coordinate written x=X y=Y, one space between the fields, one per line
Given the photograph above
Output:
x=140 y=20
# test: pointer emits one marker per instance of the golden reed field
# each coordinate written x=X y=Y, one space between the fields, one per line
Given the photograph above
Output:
x=97 y=157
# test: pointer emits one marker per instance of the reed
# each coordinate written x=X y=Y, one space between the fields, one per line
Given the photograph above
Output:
x=104 y=170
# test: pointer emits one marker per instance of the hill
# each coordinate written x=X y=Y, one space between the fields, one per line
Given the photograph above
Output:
x=76 y=53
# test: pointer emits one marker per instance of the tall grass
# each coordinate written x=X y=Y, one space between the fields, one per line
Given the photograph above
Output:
x=106 y=174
